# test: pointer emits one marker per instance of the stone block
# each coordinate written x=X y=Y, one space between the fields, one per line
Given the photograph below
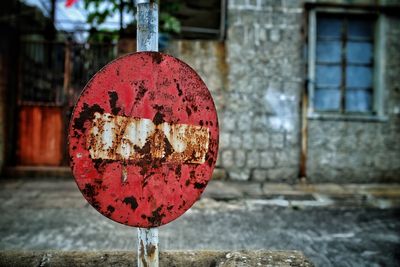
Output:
x=219 y=174
x=228 y=158
x=259 y=175
x=224 y=140
x=240 y=158
x=253 y=159
x=277 y=140
x=266 y=159
x=219 y=160
x=239 y=174
x=236 y=140
x=261 y=140
x=253 y=190
x=228 y=122
x=287 y=157
x=244 y=121
x=260 y=123
x=274 y=35
x=248 y=140
x=286 y=174
x=222 y=191
x=276 y=188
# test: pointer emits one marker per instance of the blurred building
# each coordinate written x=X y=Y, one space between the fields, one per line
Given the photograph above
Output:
x=304 y=89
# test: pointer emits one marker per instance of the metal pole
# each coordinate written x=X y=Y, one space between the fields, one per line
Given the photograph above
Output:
x=148 y=247
x=147 y=25
x=147 y=40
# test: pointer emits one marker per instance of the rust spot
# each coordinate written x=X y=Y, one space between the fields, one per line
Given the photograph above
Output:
x=210 y=162
x=87 y=114
x=131 y=201
x=158 y=118
x=110 y=208
x=151 y=249
x=142 y=254
x=113 y=102
x=178 y=87
x=168 y=148
x=199 y=185
x=100 y=164
x=142 y=91
x=97 y=163
x=188 y=111
x=156 y=217
x=146 y=177
x=157 y=57
x=90 y=191
x=178 y=170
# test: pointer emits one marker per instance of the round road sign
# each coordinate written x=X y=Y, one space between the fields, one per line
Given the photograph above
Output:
x=143 y=139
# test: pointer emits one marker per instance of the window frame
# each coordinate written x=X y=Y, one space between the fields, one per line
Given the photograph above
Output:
x=378 y=85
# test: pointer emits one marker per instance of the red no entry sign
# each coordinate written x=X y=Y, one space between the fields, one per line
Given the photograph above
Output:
x=143 y=139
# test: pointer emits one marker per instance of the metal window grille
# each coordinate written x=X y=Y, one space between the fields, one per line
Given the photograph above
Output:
x=344 y=63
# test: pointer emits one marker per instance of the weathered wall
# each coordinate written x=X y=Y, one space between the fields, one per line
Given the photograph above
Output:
x=260 y=124
x=257 y=77
x=256 y=80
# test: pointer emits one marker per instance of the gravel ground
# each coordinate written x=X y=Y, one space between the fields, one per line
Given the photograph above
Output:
x=53 y=215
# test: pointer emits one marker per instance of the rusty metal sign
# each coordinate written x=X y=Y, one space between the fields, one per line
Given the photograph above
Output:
x=143 y=139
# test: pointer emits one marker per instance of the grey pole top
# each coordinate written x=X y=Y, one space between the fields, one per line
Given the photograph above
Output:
x=142 y=2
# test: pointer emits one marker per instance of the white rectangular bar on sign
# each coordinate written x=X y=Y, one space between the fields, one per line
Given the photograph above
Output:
x=122 y=138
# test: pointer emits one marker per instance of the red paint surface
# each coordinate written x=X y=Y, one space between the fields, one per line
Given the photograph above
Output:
x=69 y=3
x=147 y=85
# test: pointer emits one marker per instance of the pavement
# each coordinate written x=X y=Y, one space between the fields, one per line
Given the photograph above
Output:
x=166 y=258
x=333 y=225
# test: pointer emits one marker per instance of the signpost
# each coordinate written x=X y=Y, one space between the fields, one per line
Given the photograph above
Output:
x=147 y=40
x=143 y=138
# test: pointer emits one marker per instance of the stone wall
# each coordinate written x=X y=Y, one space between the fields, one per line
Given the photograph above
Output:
x=257 y=76
x=260 y=124
x=256 y=80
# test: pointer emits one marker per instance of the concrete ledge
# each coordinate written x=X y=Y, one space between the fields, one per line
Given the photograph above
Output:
x=167 y=258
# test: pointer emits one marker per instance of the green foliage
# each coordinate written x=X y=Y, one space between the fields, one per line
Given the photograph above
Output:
x=103 y=36
x=100 y=10
x=169 y=23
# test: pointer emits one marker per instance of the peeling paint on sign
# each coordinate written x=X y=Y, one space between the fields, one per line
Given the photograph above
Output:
x=131 y=139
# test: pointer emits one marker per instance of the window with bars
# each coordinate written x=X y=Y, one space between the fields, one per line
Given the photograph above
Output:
x=344 y=63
